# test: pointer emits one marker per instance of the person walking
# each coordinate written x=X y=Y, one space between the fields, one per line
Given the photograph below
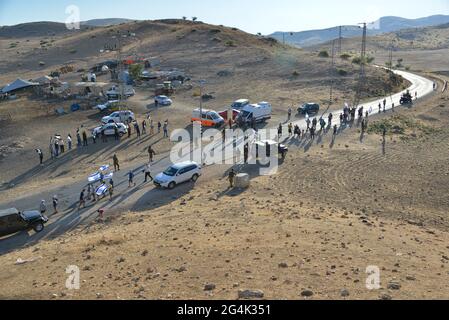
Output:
x=43 y=207
x=335 y=130
x=137 y=128
x=41 y=156
x=147 y=172
x=116 y=163
x=116 y=134
x=290 y=129
x=289 y=113
x=131 y=179
x=151 y=153
x=62 y=146
x=55 y=204
x=144 y=127
x=159 y=127
x=166 y=129
x=280 y=131
x=82 y=200
x=111 y=192
x=231 y=178
x=69 y=141
x=330 y=117
x=56 y=148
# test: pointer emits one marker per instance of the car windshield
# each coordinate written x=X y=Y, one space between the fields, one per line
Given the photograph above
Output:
x=246 y=114
x=171 y=172
x=215 y=116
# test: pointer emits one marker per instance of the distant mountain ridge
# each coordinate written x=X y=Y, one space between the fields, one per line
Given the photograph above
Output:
x=383 y=25
x=105 y=22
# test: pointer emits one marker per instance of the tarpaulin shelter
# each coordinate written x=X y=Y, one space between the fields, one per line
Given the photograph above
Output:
x=18 y=85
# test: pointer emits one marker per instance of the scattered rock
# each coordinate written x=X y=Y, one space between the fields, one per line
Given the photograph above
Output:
x=344 y=293
x=394 y=285
x=385 y=297
x=209 y=287
x=307 y=293
x=251 y=294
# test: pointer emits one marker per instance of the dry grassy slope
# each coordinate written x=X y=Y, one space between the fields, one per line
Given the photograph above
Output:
x=430 y=38
x=200 y=49
x=316 y=225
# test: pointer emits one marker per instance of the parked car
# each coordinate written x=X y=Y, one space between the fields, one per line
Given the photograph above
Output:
x=107 y=105
x=109 y=129
x=224 y=114
x=255 y=113
x=119 y=117
x=406 y=98
x=12 y=221
x=114 y=93
x=162 y=101
x=309 y=108
x=240 y=104
x=208 y=118
x=177 y=174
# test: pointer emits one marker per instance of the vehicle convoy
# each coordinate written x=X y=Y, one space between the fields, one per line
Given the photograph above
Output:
x=208 y=118
x=177 y=174
x=13 y=221
x=255 y=113
x=309 y=108
x=119 y=117
x=109 y=129
x=162 y=101
x=240 y=104
x=267 y=146
x=406 y=98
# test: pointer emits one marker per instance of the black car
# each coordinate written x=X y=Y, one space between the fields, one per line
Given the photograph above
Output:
x=406 y=99
x=309 y=108
x=12 y=221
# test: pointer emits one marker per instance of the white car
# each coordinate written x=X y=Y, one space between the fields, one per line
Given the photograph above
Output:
x=163 y=101
x=119 y=117
x=107 y=105
x=114 y=92
x=177 y=174
x=109 y=129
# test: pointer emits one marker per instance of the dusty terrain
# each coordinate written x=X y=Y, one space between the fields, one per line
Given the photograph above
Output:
x=334 y=209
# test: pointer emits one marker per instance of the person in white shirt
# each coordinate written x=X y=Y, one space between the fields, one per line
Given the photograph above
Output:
x=148 y=172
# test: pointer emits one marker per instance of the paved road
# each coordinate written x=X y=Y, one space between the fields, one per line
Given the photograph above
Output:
x=143 y=194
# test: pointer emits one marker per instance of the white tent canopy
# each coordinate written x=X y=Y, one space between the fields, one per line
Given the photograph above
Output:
x=18 y=84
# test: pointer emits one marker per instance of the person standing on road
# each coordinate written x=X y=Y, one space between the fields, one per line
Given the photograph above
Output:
x=159 y=127
x=147 y=172
x=116 y=134
x=231 y=178
x=69 y=141
x=335 y=130
x=131 y=179
x=166 y=129
x=82 y=200
x=111 y=192
x=280 y=131
x=85 y=143
x=289 y=113
x=116 y=163
x=41 y=156
x=144 y=127
x=43 y=207
x=137 y=128
x=290 y=129
x=55 y=204
x=62 y=146
x=151 y=153
x=331 y=116
x=78 y=138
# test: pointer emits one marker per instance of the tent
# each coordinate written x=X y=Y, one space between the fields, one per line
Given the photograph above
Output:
x=17 y=85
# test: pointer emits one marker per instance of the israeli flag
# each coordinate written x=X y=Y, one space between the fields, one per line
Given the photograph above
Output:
x=94 y=177
x=101 y=190
x=108 y=176
x=104 y=168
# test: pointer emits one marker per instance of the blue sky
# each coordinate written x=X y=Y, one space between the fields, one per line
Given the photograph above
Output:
x=265 y=16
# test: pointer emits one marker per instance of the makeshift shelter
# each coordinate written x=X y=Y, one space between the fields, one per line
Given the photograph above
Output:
x=17 y=85
x=45 y=80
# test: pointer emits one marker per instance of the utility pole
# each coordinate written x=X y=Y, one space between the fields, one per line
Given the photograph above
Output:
x=340 y=37
x=362 y=74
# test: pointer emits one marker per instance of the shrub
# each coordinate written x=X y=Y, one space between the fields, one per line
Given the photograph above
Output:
x=342 y=72
x=323 y=54
x=295 y=74
x=345 y=56
x=230 y=43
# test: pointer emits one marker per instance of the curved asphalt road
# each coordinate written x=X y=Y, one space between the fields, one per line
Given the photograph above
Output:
x=143 y=194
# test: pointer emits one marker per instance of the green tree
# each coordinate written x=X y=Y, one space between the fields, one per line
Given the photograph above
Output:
x=135 y=70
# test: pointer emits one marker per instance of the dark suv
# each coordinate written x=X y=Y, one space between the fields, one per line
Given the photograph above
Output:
x=309 y=108
x=12 y=221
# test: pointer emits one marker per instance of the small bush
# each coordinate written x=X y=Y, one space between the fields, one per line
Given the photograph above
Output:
x=323 y=54
x=295 y=74
x=230 y=43
x=342 y=72
x=345 y=56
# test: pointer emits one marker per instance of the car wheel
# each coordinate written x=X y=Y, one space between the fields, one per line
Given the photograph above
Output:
x=195 y=177
x=38 y=227
x=171 y=185
x=120 y=134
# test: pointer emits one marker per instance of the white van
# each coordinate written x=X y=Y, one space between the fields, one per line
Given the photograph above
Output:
x=255 y=112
